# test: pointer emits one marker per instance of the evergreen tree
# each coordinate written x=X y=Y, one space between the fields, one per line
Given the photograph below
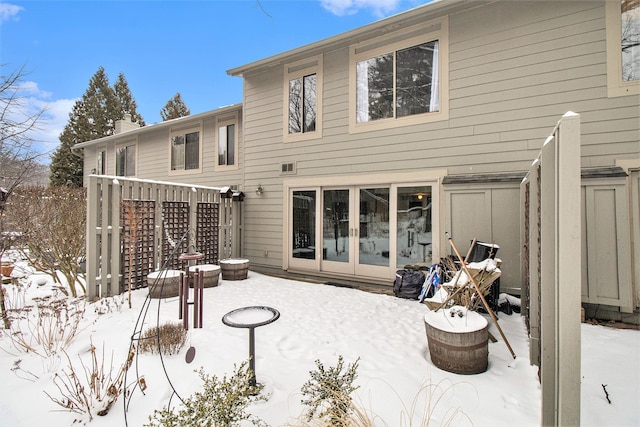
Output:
x=174 y=108
x=92 y=117
x=127 y=103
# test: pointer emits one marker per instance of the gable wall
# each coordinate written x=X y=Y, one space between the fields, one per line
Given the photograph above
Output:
x=515 y=68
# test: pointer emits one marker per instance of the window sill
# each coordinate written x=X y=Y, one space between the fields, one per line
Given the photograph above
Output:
x=302 y=136
x=185 y=172
x=396 y=123
x=226 y=168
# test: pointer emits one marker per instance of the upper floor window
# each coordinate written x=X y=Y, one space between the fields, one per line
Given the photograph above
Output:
x=623 y=47
x=227 y=145
x=227 y=142
x=101 y=162
x=302 y=104
x=185 y=150
x=303 y=92
x=400 y=79
x=398 y=84
x=126 y=160
x=630 y=39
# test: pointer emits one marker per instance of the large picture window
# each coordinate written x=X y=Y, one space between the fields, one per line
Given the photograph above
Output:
x=303 y=95
x=400 y=79
x=398 y=84
x=185 y=151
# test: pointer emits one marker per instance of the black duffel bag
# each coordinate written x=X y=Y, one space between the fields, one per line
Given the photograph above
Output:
x=408 y=284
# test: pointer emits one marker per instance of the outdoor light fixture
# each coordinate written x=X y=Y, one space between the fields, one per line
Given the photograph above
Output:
x=259 y=189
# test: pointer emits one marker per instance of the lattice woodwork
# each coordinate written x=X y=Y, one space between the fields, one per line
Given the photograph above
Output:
x=137 y=218
x=208 y=219
x=175 y=227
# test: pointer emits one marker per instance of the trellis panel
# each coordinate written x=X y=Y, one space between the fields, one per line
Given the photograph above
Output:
x=137 y=218
x=175 y=232
x=208 y=218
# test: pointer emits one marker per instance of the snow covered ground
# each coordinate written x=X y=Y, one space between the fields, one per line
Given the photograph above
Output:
x=395 y=373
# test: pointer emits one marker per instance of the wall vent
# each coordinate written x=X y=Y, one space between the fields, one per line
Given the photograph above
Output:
x=288 y=169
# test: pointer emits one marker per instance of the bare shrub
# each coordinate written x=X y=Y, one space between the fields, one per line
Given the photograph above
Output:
x=171 y=337
x=90 y=389
x=51 y=222
x=47 y=328
x=108 y=305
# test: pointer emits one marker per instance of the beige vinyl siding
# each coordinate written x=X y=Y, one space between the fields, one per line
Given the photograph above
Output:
x=514 y=69
x=153 y=154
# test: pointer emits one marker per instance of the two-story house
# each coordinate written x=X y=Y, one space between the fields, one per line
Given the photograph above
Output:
x=368 y=146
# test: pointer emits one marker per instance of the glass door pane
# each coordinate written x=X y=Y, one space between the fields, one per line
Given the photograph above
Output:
x=335 y=226
x=374 y=226
x=304 y=225
x=414 y=226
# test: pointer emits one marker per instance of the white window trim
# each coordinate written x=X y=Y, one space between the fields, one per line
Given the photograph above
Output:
x=431 y=177
x=227 y=120
x=615 y=86
x=128 y=143
x=183 y=131
x=358 y=52
x=295 y=70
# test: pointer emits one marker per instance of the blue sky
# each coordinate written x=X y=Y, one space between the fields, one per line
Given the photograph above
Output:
x=162 y=47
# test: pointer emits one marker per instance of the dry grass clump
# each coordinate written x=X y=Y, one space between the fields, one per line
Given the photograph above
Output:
x=171 y=337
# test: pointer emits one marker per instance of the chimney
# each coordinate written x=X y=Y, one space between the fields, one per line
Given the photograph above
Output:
x=125 y=124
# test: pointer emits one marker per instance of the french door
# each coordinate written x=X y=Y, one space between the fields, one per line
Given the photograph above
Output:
x=366 y=230
x=355 y=230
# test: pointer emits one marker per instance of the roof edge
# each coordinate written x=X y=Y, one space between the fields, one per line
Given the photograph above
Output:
x=157 y=126
x=377 y=26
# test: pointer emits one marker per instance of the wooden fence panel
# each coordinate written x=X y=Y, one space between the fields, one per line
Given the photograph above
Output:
x=554 y=270
x=210 y=226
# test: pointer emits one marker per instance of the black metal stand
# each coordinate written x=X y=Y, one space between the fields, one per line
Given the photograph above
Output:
x=251 y=318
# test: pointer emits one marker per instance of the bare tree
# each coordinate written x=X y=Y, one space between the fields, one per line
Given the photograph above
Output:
x=17 y=123
x=18 y=159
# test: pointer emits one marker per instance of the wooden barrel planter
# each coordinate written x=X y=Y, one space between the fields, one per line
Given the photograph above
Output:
x=234 y=268
x=165 y=287
x=458 y=344
x=6 y=268
x=210 y=272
